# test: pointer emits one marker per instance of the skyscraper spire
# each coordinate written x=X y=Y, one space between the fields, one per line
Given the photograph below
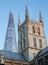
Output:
x=26 y=15
x=10 y=41
x=41 y=19
x=11 y=18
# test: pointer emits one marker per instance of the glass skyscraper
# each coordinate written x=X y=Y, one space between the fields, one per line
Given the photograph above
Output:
x=10 y=41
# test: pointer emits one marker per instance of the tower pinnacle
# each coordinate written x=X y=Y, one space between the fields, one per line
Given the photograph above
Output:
x=26 y=15
x=41 y=19
x=19 y=21
x=2 y=58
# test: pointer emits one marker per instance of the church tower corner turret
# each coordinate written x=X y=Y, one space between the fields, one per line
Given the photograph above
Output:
x=19 y=21
x=26 y=14
x=40 y=18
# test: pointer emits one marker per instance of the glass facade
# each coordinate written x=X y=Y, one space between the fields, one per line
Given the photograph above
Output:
x=10 y=41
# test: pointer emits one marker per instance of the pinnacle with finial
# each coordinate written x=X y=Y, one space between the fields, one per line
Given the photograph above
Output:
x=26 y=15
x=2 y=58
x=41 y=19
x=26 y=11
x=19 y=20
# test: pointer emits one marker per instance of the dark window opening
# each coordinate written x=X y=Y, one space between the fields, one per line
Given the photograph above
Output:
x=24 y=43
x=33 y=29
x=38 y=30
x=35 y=43
x=40 y=43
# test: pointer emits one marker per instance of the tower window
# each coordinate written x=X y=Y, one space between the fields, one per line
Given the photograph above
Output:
x=21 y=46
x=35 y=43
x=33 y=29
x=21 y=34
x=40 y=43
x=24 y=43
x=23 y=30
x=38 y=30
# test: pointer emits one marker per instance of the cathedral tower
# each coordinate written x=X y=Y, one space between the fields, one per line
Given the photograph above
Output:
x=31 y=37
x=10 y=41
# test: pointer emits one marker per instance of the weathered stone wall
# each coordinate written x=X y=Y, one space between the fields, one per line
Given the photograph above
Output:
x=28 y=35
x=14 y=62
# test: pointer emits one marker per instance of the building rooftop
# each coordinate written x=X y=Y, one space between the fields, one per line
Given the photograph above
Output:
x=13 y=55
x=45 y=50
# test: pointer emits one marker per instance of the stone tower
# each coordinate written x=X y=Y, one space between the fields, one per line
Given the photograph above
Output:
x=10 y=41
x=31 y=37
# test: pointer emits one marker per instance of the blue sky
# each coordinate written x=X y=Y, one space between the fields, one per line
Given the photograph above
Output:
x=18 y=6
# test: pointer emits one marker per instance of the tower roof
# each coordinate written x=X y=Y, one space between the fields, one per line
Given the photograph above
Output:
x=12 y=55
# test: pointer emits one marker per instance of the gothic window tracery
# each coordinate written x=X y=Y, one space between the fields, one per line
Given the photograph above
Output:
x=38 y=30
x=33 y=29
x=40 y=43
x=35 y=43
x=24 y=43
x=21 y=46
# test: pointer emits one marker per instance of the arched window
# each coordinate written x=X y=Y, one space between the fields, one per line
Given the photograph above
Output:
x=40 y=43
x=24 y=43
x=38 y=30
x=21 y=46
x=23 y=30
x=33 y=29
x=35 y=43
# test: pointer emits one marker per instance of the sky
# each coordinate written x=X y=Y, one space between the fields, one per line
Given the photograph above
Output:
x=18 y=7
